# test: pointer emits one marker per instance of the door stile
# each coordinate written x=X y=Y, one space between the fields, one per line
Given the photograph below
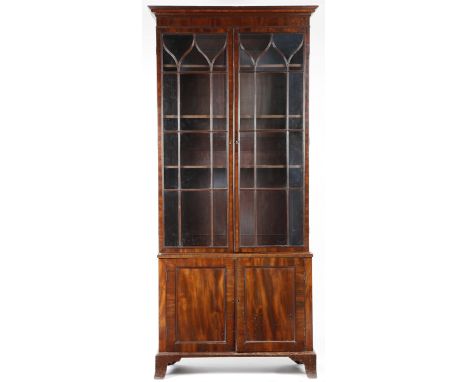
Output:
x=230 y=51
x=236 y=146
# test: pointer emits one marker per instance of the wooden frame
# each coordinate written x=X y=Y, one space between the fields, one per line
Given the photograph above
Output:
x=234 y=300
x=198 y=249
x=283 y=248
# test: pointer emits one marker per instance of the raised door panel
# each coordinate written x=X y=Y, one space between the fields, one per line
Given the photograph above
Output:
x=199 y=304
x=270 y=307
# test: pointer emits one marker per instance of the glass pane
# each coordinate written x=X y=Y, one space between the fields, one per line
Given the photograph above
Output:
x=272 y=59
x=271 y=148
x=246 y=143
x=169 y=94
x=219 y=178
x=220 y=62
x=247 y=94
x=212 y=45
x=220 y=218
x=295 y=123
x=295 y=94
x=295 y=148
x=194 y=123
x=171 y=219
x=246 y=177
x=247 y=230
x=194 y=149
x=295 y=177
x=245 y=59
x=219 y=150
x=195 y=177
x=255 y=43
x=196 y=219
x=195 y=94
x=220 y=123
x=168 y=62
x=170 y=123
x=296 y=217
x=271 y=94
x=297 y=61
x=194 y=61
x=271 y=177
x=170 y=149
x=271 y=217
x=170 y=178
x=219 y=95
x=177 y=44
x=288 y=43
x=271 y=123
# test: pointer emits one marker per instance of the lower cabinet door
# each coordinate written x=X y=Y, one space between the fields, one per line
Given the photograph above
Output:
x=270 y=304
x=196 y=304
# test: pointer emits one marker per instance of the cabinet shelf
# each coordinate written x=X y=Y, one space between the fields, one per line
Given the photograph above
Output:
x=271 y=166
x=174 y=116
x=269 y=188
x=272 y=66
x=269 y=130
x=272 y=116
x=194 y=131
x=201 y=166
x=195 y=189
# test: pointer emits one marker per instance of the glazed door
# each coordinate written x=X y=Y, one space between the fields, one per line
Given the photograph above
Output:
x=271 y=122
x=194 y=140
x=196 y=305
x=270 y=310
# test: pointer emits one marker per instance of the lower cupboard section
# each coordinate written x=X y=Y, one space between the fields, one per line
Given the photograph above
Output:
x=254 y=304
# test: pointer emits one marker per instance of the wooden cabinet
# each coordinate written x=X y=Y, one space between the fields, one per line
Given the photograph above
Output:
x=234 y=261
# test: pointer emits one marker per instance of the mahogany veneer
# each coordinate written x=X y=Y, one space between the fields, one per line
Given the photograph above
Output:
x=235 y=271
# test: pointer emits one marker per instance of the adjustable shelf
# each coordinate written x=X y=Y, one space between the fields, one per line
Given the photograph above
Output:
x=194 y=116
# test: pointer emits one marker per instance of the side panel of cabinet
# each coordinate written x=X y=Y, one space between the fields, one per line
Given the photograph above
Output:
x=270 y=304
x=196 y=305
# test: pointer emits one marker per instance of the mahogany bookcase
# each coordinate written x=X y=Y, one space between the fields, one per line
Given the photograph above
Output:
x=235 y=271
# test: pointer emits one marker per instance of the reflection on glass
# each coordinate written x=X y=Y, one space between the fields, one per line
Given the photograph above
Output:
x=295 y=177
x=295 y=148
x=219 y=178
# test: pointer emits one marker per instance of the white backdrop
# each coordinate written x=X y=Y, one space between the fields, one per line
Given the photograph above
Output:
x=78 y=187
